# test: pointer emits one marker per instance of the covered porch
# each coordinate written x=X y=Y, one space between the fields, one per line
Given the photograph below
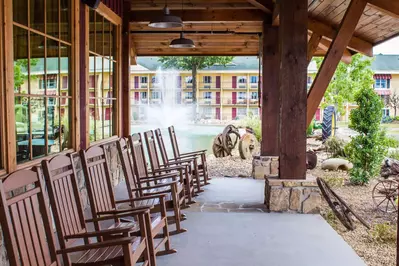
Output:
x=65 y=85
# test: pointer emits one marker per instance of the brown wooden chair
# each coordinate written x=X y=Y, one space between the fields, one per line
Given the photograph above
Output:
x=158 y=168
x=191 y=161
x=166 y=184
x=202 y=167
x=102 y=199
x=29 y=235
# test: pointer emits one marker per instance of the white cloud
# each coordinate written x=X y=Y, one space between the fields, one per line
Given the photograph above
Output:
x=388 y=47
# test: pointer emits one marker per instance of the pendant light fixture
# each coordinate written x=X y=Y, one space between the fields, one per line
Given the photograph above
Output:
x=166 y=21
x=182 y=42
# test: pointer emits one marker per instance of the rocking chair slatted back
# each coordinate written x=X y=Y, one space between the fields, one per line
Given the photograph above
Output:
x=25 y=220
x=127 y=166
x=152 y=150
x=173 y=140
x=62 y=184
x=137 y=149
x=98 y=180
x=161 y=145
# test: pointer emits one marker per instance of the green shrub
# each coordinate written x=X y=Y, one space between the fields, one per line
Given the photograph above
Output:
x=309 y=131
x=394 y=154
x=334 y=181
x=391 y=142
x=253 y=122
x=369 y=147
x=335 y=147
x=383 y=233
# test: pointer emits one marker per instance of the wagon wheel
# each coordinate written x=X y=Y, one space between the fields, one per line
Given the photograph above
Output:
x=228 y=140
x=247 y=146
x=384 y=194
x=217 y=147
x=339 y=206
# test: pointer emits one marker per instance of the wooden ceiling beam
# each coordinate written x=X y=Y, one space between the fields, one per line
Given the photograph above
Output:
x=356 y=44
x=188 y=16
x=390 y=7
x=139 y=6
x=264 y=5
x=346 y=57
x=313 y=44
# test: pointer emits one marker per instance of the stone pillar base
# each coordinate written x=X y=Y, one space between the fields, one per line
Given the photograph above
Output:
x=296 y=196
x=265 y=166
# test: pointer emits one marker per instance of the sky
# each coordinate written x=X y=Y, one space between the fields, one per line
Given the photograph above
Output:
x=388 y=47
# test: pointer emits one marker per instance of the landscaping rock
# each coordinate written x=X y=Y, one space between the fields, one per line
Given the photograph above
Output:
x=295 y=200
x=279 y=199
x=335 y=164
x=312 y=203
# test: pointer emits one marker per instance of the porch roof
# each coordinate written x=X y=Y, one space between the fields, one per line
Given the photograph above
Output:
x=221 y=27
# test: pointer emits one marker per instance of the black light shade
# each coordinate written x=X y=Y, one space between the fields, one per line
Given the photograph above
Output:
x=182 y=42
x=166 y=20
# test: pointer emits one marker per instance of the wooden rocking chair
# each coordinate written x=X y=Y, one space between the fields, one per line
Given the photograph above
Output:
x=103 y=203
x=202 y=167
x=182 y=166
x=191 y=161
x=29 y=235
x=153 y=183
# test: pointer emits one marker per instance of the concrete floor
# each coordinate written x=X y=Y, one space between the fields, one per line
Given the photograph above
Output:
x=226 y=227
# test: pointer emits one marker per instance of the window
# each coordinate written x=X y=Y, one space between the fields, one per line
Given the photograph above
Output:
x=207 y=95
x=188 y=95
x=254 y=79
x=242 y=95
x=207 y=79
x=154 y=79
x=381 y=84
x=241 y=112
x=143 y=80
x=189 y=79
x=385 y=112
x=155 y=95
x=103 y=76
x=254 y=111
x=41 y=53
x=207 y=111
x=242 y=79
x=50 y=84
x=143 y=95
x=254 y=95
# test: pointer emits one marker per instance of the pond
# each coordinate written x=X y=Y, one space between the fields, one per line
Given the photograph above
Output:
x=190 y=137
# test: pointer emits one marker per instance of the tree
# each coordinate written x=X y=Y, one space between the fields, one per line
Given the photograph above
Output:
x=393 y=101
x=194 y=63
x=367 y=149
x=348 y=79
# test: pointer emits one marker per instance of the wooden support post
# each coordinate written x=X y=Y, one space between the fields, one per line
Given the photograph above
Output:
x=346 y=57
x=84 y=71
x=126 y=50
x=270 y=92
x=293 y=74
x=312 y=45
x=334 y=55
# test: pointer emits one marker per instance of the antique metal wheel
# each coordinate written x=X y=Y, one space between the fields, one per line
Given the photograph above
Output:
x=385 y=194
x=224 y=143
x=339 y=206
x=217 y=147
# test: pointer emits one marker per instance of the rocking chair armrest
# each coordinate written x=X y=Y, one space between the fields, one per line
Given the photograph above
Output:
x=199 y=152
x=103 y=244
x=102 y=232
x=124 y=210
x=159 y=177
x=127 y=212
x=168 y=184
x=179 y=160
x=165 y=168
x=159 y=196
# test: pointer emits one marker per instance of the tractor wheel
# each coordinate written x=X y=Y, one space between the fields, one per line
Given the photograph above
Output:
x=329 y=122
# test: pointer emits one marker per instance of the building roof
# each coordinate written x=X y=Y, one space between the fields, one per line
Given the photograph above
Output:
x=239 y=64
x=386 y=64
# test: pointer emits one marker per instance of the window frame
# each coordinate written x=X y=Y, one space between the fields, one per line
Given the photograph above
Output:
x=7 y=108
x=208 y=95
x=378 y=84
x=256 y=79
x=207 y=79
x=116 y=20
x=242 y=80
